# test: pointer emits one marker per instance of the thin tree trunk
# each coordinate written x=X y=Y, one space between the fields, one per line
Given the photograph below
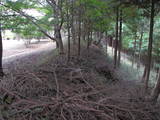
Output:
x=57 y=45
x=140 y=47
x=61 y=47
x=134 y=51
x=112 y=46
x=116 y=39
x=79 y=34
x=88 y=39
x=156 y=90
x=120 y=39
x=1 y=52
x=58 y=16
x=144 y=74
x=150 y=46
x=58 y=37
x=100 y=36
x=157 y=73
x=91 y=38
x=106 y=40
x=72 y=23
x=84 y=31
x=68 y=28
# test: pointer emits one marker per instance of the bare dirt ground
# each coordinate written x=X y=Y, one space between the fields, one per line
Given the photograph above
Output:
x=11 y=54
x=16 y=55
x=20 y=57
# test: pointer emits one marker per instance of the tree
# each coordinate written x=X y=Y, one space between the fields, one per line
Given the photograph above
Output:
x=57 y=7
x=1 y=41
x=1 y=52
x=20 y=6
x=149 y=59
x=79 y=28
x=68 y=29
x=156 y=90
x=116 y=38
x=120 y=38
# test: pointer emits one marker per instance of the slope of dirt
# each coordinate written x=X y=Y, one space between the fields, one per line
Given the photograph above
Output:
x=86 y=88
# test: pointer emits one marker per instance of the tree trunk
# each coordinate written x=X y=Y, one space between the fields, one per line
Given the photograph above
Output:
x=156 y=90
x=57 y=45
x=58 y=17
x=79 y=34
x=134 y=51
x=116 y=39
x=1 y=53
x=68 y=28
x=144 y=74
x=120 y=39
x=140 y=47
x=58 y=37
x=84 y=31
x=72 y=23
x=100 y=36
x=88 y=40
x=148 y=67
x=106 y=40
x=112 y=46
x=157 y=73
x=91 y=38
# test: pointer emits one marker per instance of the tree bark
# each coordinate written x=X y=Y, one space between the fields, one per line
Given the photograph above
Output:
x=134 y=51
x=91 y=37
x=68 y=28
x=99 y=37
x=72 y=24
x=148 y=67
x=79 y=33
x=140 y=47
x=106 y=40
x=116 y=39
x=112 y=45
x=57 y=45
x=144 y=74
x=156 y=90
x=157 y=73
x=58 y=37
x=88 y=39
x=58 y=16
x=84 y=30
x=1 y=52
x=120 y=39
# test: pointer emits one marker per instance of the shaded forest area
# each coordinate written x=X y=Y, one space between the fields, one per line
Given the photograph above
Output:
x=79 y=80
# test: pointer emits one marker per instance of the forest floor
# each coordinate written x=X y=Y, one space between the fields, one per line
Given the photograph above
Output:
x=131 y=70
x=12 y=54
x=46 y=87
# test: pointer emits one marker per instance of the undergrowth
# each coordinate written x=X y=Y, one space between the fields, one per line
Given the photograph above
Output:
x=86 y=88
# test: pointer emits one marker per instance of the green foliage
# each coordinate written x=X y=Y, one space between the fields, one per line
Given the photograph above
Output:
x=99 y=14
x=20 y=25
x=96 y=12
